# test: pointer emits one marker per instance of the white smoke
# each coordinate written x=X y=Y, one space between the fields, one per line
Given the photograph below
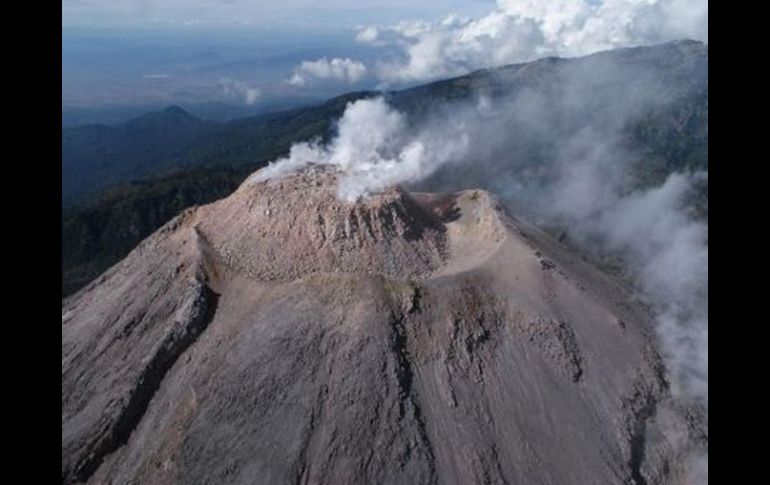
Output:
x=522 y=30
x=339 y=69
x=233 y=88
x=664 y=247
x=375 y=148
x=667 y=252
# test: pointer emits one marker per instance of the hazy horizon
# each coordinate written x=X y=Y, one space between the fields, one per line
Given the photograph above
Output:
x=266 y=55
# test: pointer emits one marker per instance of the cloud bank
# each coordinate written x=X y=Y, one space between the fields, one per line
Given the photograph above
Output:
x=522 y=30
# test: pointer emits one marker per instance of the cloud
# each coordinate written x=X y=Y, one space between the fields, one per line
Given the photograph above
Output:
x=233 y=88
x=338 y=69
x=522 y=30
x=368 y=34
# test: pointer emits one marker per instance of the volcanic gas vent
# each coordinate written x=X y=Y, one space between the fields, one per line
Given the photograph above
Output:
x=282 y=229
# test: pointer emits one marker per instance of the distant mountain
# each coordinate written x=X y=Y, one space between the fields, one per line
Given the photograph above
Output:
x=97 y=156
x=74 y=116
x=186 y=152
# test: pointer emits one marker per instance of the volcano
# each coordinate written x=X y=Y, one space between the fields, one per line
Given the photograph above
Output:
x=281 y=335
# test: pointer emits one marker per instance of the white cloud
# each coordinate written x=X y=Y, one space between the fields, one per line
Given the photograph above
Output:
x=521 y=30
x=339 y=69
x=368 y=34
x=233 y=88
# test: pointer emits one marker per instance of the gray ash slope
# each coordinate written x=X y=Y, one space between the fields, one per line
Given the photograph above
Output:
x=283 y=336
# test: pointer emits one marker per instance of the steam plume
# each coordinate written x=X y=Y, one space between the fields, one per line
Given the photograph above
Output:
x=559 y=152
x=375 y=148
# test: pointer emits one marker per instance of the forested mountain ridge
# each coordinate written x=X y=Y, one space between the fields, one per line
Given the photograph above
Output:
x=186 y=161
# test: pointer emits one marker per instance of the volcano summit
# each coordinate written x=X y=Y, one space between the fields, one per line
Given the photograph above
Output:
x=282 y=335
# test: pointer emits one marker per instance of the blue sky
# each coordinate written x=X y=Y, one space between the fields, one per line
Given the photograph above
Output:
x=329 y=14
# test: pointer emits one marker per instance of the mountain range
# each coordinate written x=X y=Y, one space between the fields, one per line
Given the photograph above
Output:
x=121 y=182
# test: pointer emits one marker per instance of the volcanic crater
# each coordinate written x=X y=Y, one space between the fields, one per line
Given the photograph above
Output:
x=281 y=335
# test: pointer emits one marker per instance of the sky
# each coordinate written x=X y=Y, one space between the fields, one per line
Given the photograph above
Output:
x=257 y=13
x=253 y=52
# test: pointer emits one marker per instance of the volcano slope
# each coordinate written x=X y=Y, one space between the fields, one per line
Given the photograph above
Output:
x=281 y=335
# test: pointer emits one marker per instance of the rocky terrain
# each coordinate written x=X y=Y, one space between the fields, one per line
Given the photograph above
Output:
x=281 y=335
